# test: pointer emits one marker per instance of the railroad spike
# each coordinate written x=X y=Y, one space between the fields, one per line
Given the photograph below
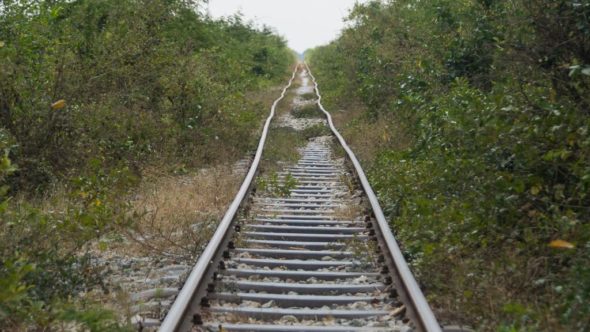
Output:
x=393 y=293
x=205 y=303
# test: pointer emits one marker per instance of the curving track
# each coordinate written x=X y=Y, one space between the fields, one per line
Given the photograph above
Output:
x=321 y=259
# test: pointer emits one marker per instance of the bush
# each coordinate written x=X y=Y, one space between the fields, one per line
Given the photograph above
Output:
x=91 y=94
x=143 y=82
x=497 y=166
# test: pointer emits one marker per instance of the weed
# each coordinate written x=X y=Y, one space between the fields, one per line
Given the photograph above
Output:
x=365 y=252
x=308 y=96
x=349 y=181
x=179 y=213
x=307 y=110
x=281 y=146
x=276 y=187
x=316 y=130
x=337 y=150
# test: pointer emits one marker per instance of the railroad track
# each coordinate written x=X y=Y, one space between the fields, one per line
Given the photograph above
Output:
x=321 y=258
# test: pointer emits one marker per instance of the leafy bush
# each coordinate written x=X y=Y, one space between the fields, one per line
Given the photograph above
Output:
x=92 y=93
x=493 y=97
x=143 y=81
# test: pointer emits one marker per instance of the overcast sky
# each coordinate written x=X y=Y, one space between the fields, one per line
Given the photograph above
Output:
x=304 y=23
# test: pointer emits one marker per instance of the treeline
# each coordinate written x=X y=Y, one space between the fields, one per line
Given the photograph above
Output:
x=483 y=157
x=91 y=93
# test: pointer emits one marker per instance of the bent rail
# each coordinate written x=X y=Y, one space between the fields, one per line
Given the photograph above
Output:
x=176 y=317
x=188 y=301
x=419 y=306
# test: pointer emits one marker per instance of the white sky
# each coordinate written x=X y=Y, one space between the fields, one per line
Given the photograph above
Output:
x=304 y=23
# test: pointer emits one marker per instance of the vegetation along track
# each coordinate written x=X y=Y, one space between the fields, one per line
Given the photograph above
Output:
x=317 y=255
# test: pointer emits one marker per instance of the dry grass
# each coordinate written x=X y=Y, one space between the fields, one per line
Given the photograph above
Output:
x=176 y=215
x=368 y=138
x=348 y=212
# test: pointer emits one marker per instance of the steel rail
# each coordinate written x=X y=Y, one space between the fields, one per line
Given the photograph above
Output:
x=177 y=315
x=422 y=311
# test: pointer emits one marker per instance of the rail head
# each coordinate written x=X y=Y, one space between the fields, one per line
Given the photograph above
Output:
x=423 y=312
x=177 y=315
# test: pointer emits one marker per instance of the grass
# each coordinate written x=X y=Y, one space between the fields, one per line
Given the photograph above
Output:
x=367 y=138
x=281 y=146
x=272 y=185
x=308 y=96
x=365 y=252
x=315 y=131
x=178 y=214
x=337 y=149
x=307 y=111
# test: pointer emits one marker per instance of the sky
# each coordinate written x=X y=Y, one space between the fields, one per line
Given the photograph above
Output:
x=304 y=23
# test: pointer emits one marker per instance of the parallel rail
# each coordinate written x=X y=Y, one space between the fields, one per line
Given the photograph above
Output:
x=184 y=313
x=405 y=281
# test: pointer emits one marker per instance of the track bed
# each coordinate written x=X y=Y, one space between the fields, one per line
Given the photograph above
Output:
x=308 y=251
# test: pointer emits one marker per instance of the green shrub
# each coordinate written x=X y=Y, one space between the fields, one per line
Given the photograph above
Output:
x=91 y=94
x=144 y=82
x=498 y=165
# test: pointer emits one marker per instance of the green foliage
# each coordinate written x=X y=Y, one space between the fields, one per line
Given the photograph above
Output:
x=6 y=167
x=494 y=97
x=139 y=83
x=276 y=187
x=315 y=131
x=282 y=144
x=144 y=81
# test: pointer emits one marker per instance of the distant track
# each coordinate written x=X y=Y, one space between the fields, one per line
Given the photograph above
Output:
x=322 y=259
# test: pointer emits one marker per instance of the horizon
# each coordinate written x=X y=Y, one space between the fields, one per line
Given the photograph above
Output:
x=302 y=30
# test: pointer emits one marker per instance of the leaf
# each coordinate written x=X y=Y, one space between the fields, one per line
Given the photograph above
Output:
x=535 y=190
x=561 y=244
x=519 y=186
x=573 y=70
x=58 y=105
